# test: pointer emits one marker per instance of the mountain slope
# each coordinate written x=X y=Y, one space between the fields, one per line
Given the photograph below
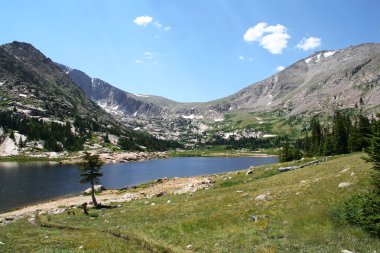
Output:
x=40 y=103
x=324 y=81
x=115 y=100
x=32 y=81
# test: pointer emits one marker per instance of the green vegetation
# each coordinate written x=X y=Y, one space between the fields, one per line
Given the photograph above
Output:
x=267 y=122
x=297 y=215
x=221 y=151
x=363 y=210
x=346 y=134
x=59 y=136
x=145 y=142
x=29 y=159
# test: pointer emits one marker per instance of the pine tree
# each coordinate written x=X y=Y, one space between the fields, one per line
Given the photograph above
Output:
x=90 y=168
x=316 y=135
x=340 y=134
x=373 y=152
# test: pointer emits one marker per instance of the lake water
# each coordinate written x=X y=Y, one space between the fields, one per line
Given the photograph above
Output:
x=26 y=183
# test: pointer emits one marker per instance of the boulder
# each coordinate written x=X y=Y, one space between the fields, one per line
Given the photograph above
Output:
x=97 y=188
x=160 y=194
x=261 y=197
x=344 y=185
x=249 y=172
x=347 y=251
x=128 y=197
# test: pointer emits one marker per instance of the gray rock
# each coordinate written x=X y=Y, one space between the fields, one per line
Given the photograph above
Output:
x=344 y=185
x=128 y=197
x=254 y=218
x=347 y=251
x=97 y=188
x=249 y=172
x=261 y=197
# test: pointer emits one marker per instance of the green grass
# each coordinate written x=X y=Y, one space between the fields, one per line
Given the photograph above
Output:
x=220 y=151
x=296 y=217
x=21 y=158
x=266 y=122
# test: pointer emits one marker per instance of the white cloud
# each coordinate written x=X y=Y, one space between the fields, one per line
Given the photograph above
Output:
x=255 y=33
x=309 y=43
x=167 y=28
x=143 y=20
x=139 y=61
x=149 y=53
x=273 y=38
x=241 y=58
x=280 y=68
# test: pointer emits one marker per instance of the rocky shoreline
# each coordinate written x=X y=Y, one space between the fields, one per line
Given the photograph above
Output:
x=74 y=158
x=161 y=187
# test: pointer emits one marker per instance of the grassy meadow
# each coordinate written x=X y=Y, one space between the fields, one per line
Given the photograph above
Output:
x=293 y=214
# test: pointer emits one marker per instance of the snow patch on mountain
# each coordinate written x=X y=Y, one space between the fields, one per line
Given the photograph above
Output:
x=318 y=57
x=329 y=53
x=141 y=96
x=192 y=116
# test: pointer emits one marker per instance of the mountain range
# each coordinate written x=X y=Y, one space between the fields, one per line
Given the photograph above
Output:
x=321 y=83
x=342 y=79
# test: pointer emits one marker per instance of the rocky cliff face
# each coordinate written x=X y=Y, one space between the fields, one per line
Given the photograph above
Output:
x=115 y=100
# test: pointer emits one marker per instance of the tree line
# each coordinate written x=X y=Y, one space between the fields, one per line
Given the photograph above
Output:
x=60 y=136
x=344 y=134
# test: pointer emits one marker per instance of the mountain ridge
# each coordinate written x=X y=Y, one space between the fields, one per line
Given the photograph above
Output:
x=271 y=92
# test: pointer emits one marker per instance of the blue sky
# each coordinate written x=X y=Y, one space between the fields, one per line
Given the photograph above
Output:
x=189 y=50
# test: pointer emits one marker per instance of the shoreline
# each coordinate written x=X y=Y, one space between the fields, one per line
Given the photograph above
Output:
x=123 y=157
x=159 y=187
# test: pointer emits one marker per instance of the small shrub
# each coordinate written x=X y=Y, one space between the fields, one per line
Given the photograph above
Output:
x=361 y=211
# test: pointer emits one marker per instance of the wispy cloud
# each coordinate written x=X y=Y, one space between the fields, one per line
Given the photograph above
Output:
x=158 y=24
x=148 y=58
x=309 y=43
x=149 y=53
x=143 y=20
x=280 y=68
x=274 y=38
x=243 y=58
